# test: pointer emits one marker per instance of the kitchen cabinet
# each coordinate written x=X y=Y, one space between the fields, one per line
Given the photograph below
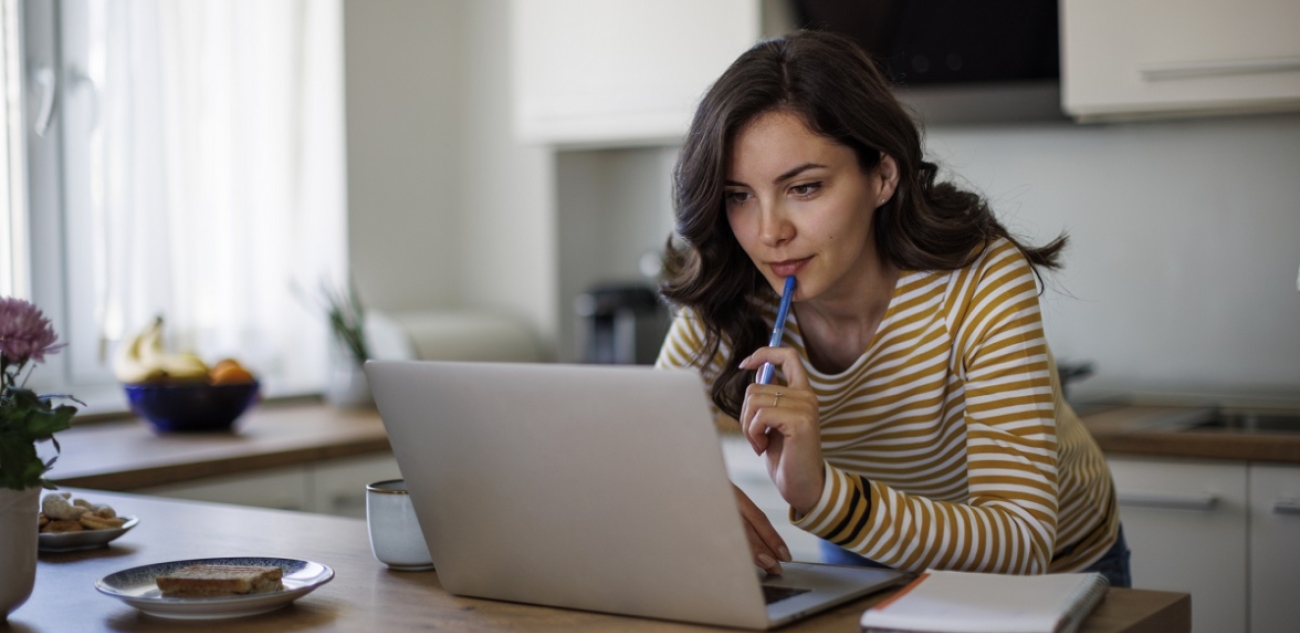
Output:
x=1274 y=548
x=339 y=485
x=599 y=73
x=1185 y=522
x=335 y=486
x=1129 y=59
x=281 y=489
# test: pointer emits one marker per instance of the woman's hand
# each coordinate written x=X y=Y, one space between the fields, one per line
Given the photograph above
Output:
x=768 y=546
x=781 y=422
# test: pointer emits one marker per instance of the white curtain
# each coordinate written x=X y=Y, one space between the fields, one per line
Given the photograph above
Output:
x=216 y=175
x=13 y=220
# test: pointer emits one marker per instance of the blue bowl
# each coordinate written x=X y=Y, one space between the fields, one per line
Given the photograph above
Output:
x=191 y=407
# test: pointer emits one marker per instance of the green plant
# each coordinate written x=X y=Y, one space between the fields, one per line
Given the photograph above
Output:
x=26 y=419
x=346 y=318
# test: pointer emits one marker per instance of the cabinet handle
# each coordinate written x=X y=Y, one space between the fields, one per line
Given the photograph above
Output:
x=1193 y=70
x=1168 y=501
x=1286 y=506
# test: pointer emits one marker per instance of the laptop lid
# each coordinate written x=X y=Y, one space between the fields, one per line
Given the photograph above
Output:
x=591 y=487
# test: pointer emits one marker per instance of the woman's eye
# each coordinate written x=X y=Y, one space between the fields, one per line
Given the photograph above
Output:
x=806 y=189
x=736 y=197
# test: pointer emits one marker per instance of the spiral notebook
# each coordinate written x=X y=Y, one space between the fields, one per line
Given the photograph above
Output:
x=965 y=602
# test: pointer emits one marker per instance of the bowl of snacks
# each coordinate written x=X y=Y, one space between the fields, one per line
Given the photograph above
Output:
x=178 y=391
x=68 y=524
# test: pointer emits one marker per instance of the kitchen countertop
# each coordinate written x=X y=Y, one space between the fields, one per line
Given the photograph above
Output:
x=1138 y=430
x=364 y=596
x=127 y=455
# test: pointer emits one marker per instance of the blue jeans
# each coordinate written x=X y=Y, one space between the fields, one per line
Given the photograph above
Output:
x=1114 y=564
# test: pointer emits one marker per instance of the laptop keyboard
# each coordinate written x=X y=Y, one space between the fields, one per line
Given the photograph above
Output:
x=777 y=594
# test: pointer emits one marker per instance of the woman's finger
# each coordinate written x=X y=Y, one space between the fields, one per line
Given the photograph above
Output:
x=772 y=543
x=746 y=423
x=758 y=417
x=762 y=556
x=767 y=546
x=772 y=410
x=786 y=359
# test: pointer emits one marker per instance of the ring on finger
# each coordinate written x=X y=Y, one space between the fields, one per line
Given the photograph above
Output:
x=776 y=400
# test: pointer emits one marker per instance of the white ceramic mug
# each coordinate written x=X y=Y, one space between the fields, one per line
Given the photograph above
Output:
x=395 y=535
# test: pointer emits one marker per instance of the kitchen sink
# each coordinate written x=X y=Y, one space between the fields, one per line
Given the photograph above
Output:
x=1085 y=409
x=1229 y=420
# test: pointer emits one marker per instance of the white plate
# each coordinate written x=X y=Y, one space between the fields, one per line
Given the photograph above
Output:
x=137 y=587
x=86 y=539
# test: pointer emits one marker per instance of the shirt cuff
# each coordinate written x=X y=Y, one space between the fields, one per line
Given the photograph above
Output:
x=843 y=511
x=827 y=497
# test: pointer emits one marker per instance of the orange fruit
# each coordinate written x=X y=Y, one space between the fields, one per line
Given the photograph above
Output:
x=226 y=362
x=230 y=372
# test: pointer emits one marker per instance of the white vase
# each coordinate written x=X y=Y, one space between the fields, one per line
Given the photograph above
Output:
x=18 y=544
x=347 y=386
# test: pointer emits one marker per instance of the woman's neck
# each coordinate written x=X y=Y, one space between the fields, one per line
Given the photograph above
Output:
x=838 y=329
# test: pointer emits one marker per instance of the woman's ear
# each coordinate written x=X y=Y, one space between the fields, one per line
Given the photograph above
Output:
x=885 y=178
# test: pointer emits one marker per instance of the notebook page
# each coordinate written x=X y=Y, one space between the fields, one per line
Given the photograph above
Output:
x=964 y=602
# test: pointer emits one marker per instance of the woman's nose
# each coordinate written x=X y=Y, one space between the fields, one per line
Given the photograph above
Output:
x=776 y=228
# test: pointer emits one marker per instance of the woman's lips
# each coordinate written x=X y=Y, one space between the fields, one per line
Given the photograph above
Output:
x=787 y=267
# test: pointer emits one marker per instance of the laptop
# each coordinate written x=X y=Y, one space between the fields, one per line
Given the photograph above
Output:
x=600 y=488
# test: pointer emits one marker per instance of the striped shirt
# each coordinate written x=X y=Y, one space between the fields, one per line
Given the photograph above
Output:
x=947 y=444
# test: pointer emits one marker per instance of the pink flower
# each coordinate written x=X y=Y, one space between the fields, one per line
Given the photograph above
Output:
x=25 y=333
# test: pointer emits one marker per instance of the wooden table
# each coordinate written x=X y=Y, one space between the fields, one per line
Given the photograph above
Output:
x=365 y=596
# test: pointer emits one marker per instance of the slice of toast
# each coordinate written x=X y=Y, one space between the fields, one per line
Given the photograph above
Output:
x=220 y=580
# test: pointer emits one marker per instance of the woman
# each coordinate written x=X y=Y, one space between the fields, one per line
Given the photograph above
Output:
x=918 y=422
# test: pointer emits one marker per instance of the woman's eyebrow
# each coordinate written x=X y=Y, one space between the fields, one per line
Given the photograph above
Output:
x=796 y=171
x=779 y=179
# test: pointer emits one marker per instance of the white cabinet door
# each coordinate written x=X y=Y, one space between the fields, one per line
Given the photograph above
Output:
x=281 y=489
x=1185 y=522
x=1135 y=58
x=1274 y=548
x=339 y=485
x=596 y=72
x=336 y=486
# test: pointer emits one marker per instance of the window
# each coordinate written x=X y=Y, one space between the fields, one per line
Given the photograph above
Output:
x=13 y=221
x=192 y=168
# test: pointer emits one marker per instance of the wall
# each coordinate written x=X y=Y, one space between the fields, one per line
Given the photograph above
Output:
x=446 y=210
x=1185 y=243
x=507 y=204
x=1181 y=274
x=401 y=71
x=1185 y=240
x=613 y=208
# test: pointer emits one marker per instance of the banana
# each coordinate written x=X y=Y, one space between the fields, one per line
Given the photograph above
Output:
x=134 y=361
x=185 y=366
x=143 y=359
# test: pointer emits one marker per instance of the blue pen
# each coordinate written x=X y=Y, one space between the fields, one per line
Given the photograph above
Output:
x=778 y=330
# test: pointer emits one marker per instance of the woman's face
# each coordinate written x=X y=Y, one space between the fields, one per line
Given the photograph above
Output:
x=799 y=204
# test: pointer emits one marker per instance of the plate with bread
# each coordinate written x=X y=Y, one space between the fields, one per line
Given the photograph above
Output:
x=69 y=524
x=215 y=588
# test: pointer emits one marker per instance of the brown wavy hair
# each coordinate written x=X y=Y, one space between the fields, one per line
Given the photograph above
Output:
x=840 y=94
